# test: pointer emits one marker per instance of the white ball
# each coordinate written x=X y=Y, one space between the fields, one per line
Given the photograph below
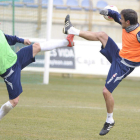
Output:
x=112 y=8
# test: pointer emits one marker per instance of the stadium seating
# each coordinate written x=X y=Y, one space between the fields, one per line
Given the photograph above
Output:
x=30 y=3
x=59 y=4
x=73 y=4
x=86 y=4
x=44 y=3
x=4 y=4
x=18 y=4
x=101 y=4
x=9 y=2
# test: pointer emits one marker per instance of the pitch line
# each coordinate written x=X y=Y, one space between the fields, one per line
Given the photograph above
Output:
x=80 y=107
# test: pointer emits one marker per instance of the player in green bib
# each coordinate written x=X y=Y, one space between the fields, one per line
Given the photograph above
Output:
x=7 y=56
x=12 y=63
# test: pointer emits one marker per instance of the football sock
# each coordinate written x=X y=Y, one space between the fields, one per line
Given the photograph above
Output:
x=74 y=31
x=109 y=118
x=5 y=108
x=50 y=45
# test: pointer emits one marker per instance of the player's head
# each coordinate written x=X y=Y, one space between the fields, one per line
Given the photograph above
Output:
x=128 y=17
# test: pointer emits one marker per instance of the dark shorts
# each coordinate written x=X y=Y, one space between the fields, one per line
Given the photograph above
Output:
x=13 y=75
x=118 y=70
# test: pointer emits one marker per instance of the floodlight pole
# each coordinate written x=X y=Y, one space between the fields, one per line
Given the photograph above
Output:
x=47 y=54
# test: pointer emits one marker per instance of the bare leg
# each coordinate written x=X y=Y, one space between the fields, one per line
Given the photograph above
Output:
x=109 y=100
x=15 y=101
x=94 y=36
x=109 y=105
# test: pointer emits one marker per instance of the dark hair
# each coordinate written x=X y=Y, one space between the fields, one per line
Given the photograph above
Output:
x=130 y=15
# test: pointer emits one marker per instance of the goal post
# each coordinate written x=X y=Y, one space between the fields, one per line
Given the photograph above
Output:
x=48 y=37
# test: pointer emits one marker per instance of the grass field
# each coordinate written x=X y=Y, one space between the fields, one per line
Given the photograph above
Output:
x=70 y=109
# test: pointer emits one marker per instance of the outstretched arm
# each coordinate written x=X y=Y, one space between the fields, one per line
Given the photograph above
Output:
x=115 y=15
x=12 y=40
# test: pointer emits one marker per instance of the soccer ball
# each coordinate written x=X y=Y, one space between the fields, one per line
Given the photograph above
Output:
x=112 y=8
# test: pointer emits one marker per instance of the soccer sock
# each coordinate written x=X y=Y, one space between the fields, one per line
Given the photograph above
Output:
x=74 y=31
x=109 y=118
x=5 y=108
x=50 y=45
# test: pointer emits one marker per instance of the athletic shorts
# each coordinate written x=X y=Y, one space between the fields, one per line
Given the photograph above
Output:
x=12 y=77
x=118 y=70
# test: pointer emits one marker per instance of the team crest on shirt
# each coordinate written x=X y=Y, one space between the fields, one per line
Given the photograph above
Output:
x=138 y=36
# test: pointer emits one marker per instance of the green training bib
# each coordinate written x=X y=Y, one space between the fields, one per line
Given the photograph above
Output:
x=7 y=56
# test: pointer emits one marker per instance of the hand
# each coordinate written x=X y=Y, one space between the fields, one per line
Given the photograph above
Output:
x=27 y=42
x=104 y=12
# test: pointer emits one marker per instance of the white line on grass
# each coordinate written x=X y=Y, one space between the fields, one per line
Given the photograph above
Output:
x=80 y=107
x=76 y=107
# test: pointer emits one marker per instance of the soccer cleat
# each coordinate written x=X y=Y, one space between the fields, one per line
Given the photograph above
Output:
x=68 y=25
x=106 y=128
x=70 y=39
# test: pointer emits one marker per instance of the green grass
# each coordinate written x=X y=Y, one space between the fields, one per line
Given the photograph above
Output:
x=70 y=109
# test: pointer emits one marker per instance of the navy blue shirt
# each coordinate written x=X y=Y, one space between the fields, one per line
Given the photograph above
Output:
x=12 y=40
x=115 y=15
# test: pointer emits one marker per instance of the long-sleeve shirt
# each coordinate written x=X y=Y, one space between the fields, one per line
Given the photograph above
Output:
x=7 y=56
x=130 y=39
x=12 y=40
x=115 y=15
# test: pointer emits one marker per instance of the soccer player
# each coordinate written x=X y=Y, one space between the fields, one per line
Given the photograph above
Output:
x=12 y=63
x=123 y=61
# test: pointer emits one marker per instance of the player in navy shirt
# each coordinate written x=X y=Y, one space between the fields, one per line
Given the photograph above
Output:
x=121 y=66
